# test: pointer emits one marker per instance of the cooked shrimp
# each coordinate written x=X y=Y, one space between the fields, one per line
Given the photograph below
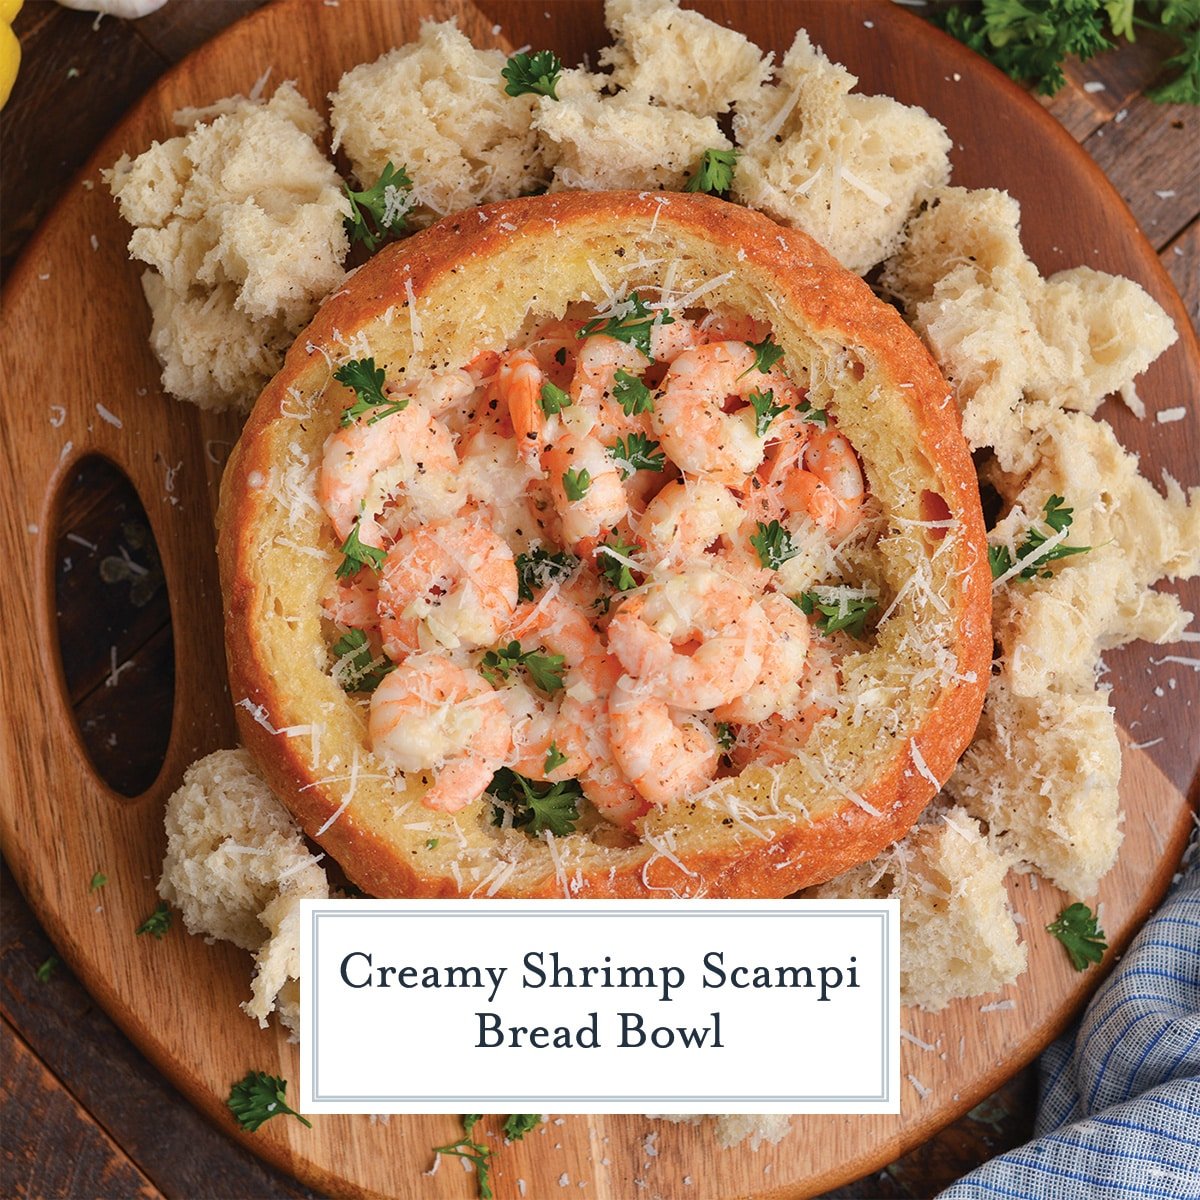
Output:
x=450 y=583
x=601 y=501
x=354 y=602
x=666 y=755
x=695 y=640
x=830 y=459
x=686 y=518
x=538 y=725
x=598 y=360
x=727 y=326
x=603 y=781
x=779 y=684
x=689 y=415
x=519 y=385
x=368 y=465
x=430 y=714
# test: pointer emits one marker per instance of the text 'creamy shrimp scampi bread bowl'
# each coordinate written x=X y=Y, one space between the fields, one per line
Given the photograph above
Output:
x=634 y=508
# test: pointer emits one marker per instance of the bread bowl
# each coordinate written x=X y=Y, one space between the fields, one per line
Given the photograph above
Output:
x=909 y=696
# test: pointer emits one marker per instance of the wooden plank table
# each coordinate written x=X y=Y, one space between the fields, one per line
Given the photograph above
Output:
x=83 y=1113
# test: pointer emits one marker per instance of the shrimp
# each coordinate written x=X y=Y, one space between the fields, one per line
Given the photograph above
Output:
x=779 y=684
x=563 y=628
x=835 y=500
x=452 y=583
x=665 y=755
x=354 y=602
x=429 y=714
x=686 y=518
x=519 y=385
x=600 y=357
x=689 y=416
x=597 y=500
x=695 y=640
x=368 y=464
x=538 y=725
x=724 y=325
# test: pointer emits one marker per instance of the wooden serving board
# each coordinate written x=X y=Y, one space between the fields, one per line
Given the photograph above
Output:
x=74 y=334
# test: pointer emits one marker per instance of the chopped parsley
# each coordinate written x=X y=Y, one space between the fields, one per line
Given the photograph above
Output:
x=637 y=452
x=366 y=381
x=157 y=923
x=98 y=881
x=849 y=613
x=554 y=399
x=774 y=545
x=544 y=670
x=633 y=328
x=715 y=173
x=1076 y=928
x=535 y=807
x=632 y=394
x=379 y=211
x=357 y=667
x=358 y=555
x=48 y=968
x=766 y=354
x=257 y=1097
x=519 y=1124
x=726 y=737
x=1058 y=518
x=610 y=556
x=532 y=74
x=554 y=759
x=540 y=568
x=576 y=483
x=816 y=416
x=431 y=843
x=466 y=1147
x=765 y=410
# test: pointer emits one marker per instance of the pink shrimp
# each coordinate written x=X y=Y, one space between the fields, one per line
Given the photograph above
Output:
x=354 y=602
x=687 y=517
x=780 y=682
x=429 y=714
x=585 y=485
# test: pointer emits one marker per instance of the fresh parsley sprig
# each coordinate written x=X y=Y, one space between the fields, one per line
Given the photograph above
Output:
x=157 y=923
x=532 y=74
x=815 y=416
x=766 y=354
x=519 y=1124
x=774 y=545
x=379 y=211
x=47 y=969
x=1084 y=940
x=714 y=174
x=633 y=328
x=544 y=670
x=476 y=1152
x=98 y=881
x=611 y=556
x=849 y=613
x=554 y=759
x=257 y=1097
x=366 y=381
x=632 y=394
x=765 y=410
x=726 y=735
x=535 y=806
x=553 y=399
x=637 y=452
x=356 y=666
x=576 y=483
x=539 y=568
x=1058 y=518
x=358 y=555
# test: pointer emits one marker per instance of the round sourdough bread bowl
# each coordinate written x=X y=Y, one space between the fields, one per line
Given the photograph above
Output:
x=910 y=695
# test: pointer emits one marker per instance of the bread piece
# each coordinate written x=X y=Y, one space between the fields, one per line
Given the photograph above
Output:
x=735 y=1128
x=437 y=106
x=846 y=169
x=472 y=283
x=679 y=58
x=957 y=933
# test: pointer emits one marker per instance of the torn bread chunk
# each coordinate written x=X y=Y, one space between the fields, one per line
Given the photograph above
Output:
x=678 y=58
x=237 y=867
x=1004 y=336
x=438 y=108
x=957 y=933
x=596 y=142
x=845 y=168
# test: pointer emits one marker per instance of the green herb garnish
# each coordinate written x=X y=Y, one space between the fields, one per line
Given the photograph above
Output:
x=715 y=173
x=554 y=759
x=379 y=211
x=765 y=410
x=157 y=923
x=576 y=483
x=366 y=381
x=535 y=74
x=632 y=394
x=358 y=555
x=535 y=807
x=1058 y=518
x=849 y=614
x=98 y=881
x=726 y=737
x=774 y=545
x=356 y=667
x=518 y=1125
x=554 y=399
x=48 y=968
x=817 y=416
x=610 y=564
x=633 y=328
x=540 y=568
x=766 y=354
x=637 y=452
x=544 y=670
x=1076 y=928
x=258 y=1097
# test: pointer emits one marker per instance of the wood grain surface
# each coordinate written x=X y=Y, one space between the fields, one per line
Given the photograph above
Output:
x=61 y=823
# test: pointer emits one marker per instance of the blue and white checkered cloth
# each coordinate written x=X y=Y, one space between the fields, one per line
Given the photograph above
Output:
x=1119 y=1114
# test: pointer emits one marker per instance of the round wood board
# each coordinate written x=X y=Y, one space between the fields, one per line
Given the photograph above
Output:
x=75 y=333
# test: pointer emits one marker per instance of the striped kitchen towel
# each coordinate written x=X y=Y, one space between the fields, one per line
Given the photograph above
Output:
x=1119 y=1113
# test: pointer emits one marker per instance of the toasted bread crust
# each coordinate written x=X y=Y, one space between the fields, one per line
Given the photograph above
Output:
x=475 y=277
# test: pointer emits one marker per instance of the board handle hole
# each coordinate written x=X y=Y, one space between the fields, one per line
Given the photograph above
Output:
x=113 y=618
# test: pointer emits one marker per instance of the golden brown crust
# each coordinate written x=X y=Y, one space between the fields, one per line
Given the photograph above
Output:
x=474 y=277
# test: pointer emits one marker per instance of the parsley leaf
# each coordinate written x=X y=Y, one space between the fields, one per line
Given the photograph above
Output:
x=766 y=354
x=609 y=556
x=476 y=1152
x=535 y=807
x=544 y=670
x=554 y=399
x=366 y=381
x=554 y=759
x=48 y=968
x=379 y=211
x=432 y=843
x=518 y=1125
x=358 y=555
x=576 y=483
x=157 y=923
x=1076 y=928
x=632 y=394
x=774 y=545
x=257 y=1097
x=816 y=416
x=1058 y=517
x=637 y=452
x=715 y=173
x=98 y=881
x=535 y=74
x=356 y=666
x=849 y=613
x=540 y=568
x=765 y=410
x=633 y=328
x=726 y=737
